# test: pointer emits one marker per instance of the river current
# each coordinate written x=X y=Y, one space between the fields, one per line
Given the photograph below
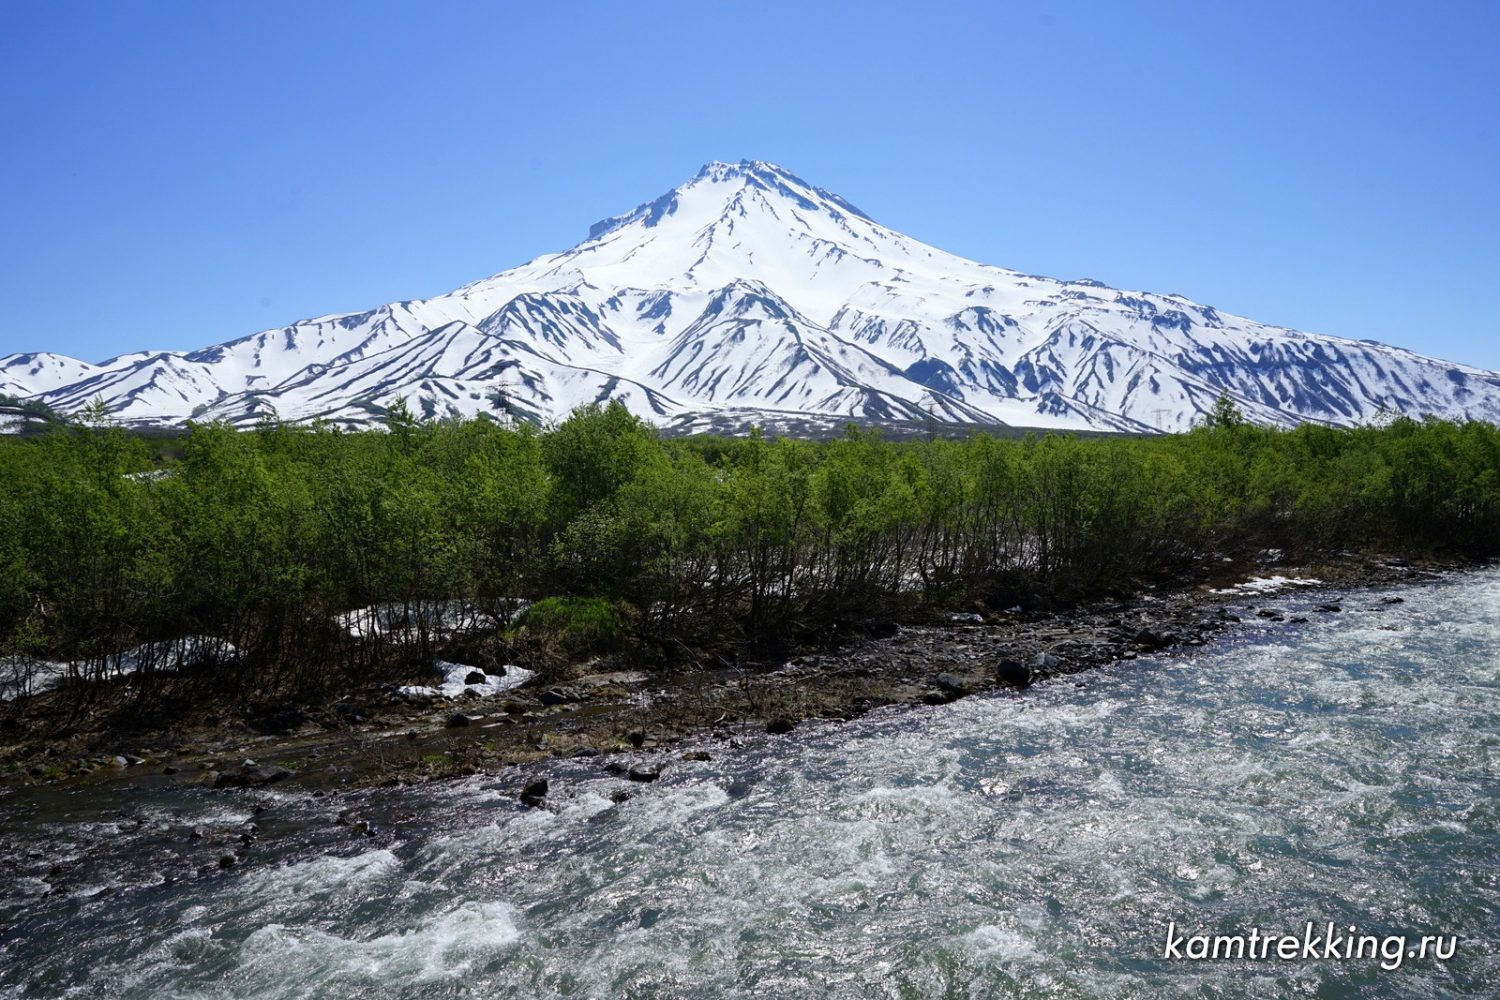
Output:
x=1035 y=844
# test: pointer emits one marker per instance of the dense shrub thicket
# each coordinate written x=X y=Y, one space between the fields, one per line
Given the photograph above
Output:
x=260 y=539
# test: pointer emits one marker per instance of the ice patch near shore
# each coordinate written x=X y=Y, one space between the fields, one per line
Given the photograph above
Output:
x=454 y=685
x=1270 y=584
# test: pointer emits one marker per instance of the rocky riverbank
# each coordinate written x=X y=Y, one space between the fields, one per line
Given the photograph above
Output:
x=380 y=736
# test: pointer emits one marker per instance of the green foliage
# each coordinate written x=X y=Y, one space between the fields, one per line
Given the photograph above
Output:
x=262 y=538
x=577 y=625
x=593 y=454
x=1226 y=414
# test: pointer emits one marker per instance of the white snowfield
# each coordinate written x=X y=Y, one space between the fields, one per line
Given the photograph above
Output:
x=746 y=294
x=25 y=675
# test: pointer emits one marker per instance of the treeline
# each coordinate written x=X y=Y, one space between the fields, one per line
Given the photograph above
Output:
x=256 y=542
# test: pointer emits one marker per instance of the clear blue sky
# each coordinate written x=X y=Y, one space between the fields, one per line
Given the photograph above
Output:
x=177 y=174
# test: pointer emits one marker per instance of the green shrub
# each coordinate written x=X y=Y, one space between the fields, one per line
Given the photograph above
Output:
x=576 y=625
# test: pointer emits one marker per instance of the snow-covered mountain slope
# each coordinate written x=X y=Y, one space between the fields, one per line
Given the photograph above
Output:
x=30 y=374
x=747 y=294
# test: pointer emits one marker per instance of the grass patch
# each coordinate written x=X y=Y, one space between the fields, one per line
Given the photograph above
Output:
x=577 y=626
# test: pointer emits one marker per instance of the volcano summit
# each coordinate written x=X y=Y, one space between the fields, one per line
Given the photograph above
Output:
x=749 y=296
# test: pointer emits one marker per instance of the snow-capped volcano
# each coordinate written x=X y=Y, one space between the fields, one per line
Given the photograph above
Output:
x=747 y=294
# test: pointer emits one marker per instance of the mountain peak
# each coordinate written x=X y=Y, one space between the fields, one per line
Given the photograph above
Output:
x=747 y=295
x=722 y=170
x=766 y=177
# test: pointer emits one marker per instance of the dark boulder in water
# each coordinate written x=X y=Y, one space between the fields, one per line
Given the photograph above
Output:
x=458 y=720
x=949 y=688
x=779 y=726
x=534 y=792
x=1152 y=640
x=645 y=772
x=1013 y=672
x=475 y=677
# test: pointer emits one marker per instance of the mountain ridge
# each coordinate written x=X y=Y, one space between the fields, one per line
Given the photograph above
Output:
x=747 y=291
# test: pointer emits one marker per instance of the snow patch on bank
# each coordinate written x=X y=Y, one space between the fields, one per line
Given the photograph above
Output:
x=1270 y=584
x=455 y=682
x=21 y=676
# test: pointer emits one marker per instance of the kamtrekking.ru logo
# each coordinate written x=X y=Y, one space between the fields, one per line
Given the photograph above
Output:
x=1326 y=942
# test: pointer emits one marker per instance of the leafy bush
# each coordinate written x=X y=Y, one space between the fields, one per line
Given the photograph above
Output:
x=576 y=625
